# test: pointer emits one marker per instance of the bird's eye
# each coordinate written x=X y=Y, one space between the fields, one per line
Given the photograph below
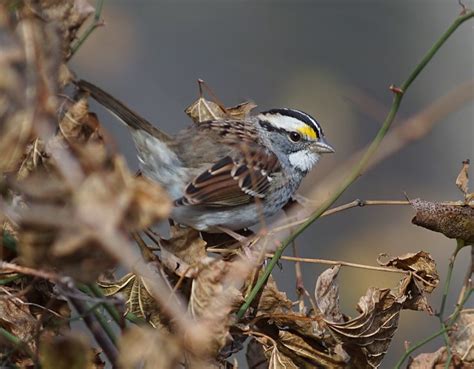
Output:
x=295 y=136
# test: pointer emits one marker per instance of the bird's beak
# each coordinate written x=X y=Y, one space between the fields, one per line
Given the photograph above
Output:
x=322 y=147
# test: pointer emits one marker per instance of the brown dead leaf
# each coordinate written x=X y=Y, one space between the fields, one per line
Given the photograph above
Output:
x=462 y=180
x=462 y=336
x=67 y=15
x=276 y=359
x=203 y=110
x=453 y=221
x=147 y=348
x=272 y=301
x=67 y=352
x=241 y=111
x=15 y=317
x=137 y=298
x=367 y=337
x=437 y=360
x=432 y=360
x=213 y=299
x=420 y=263
x=184 y=251
x=327 y=295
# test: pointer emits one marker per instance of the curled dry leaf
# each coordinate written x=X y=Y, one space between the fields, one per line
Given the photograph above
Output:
x=15 y=317
x=67 y=15
x=138 y=300
x=184 y=251
x=272 y=300
x=367 y=337
x=146 y=348
x=420 y=263
x=462 y=180
x=203 y=110
x=438 y=360
x=432 y=360
x=462 y=337
x=213 y=299
x=276 y=359
x=453 y=221
x=327 y=295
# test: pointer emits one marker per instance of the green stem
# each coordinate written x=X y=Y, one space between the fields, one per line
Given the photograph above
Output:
x=359 y=168
x=417 y=346
x=16 y=342
x=447 y=283
x=97 y=292
x=95 y=23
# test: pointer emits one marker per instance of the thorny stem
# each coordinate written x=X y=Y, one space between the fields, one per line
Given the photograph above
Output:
x=359 y=168
x=96 y=22
x=417 y=346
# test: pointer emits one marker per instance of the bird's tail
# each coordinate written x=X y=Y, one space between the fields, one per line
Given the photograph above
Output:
x=125 y=114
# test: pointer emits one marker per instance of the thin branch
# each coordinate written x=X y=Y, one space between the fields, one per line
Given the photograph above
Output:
x=360 y=167
x=53 y=277
x=353 y=204
x=326 y=262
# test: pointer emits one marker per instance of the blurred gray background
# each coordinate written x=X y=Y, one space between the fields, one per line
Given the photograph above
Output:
x=321 y=57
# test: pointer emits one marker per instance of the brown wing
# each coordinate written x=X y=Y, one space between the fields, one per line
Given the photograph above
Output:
x=233 y=181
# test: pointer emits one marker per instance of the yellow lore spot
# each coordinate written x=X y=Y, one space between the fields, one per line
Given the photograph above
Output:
x=308 y=132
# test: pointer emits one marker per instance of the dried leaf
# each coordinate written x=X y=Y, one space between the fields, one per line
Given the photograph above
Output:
x=453 y=221
x=148 y=349
x=272 y=300
x=68 y=15
x=213 y=299
x=276 y=359
x=241 y=111
x=433 y=360
x=462 y=337
x=327 y=295
x=203 y=110
x=367 y=337
x=137 y=298
x=16 y=318
x=67 y=352
x=462 y=180
x=184 y=251
x=420 y=263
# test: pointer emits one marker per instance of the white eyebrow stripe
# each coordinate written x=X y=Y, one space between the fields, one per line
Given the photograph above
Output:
x=284 y=122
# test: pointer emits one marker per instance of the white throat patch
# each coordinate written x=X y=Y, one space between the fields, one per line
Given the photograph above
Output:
x=303 y=160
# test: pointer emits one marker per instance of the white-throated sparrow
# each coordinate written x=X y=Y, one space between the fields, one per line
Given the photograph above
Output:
x=219 y=172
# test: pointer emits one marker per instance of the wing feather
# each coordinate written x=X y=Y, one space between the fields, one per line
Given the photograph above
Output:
x=233 y=180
